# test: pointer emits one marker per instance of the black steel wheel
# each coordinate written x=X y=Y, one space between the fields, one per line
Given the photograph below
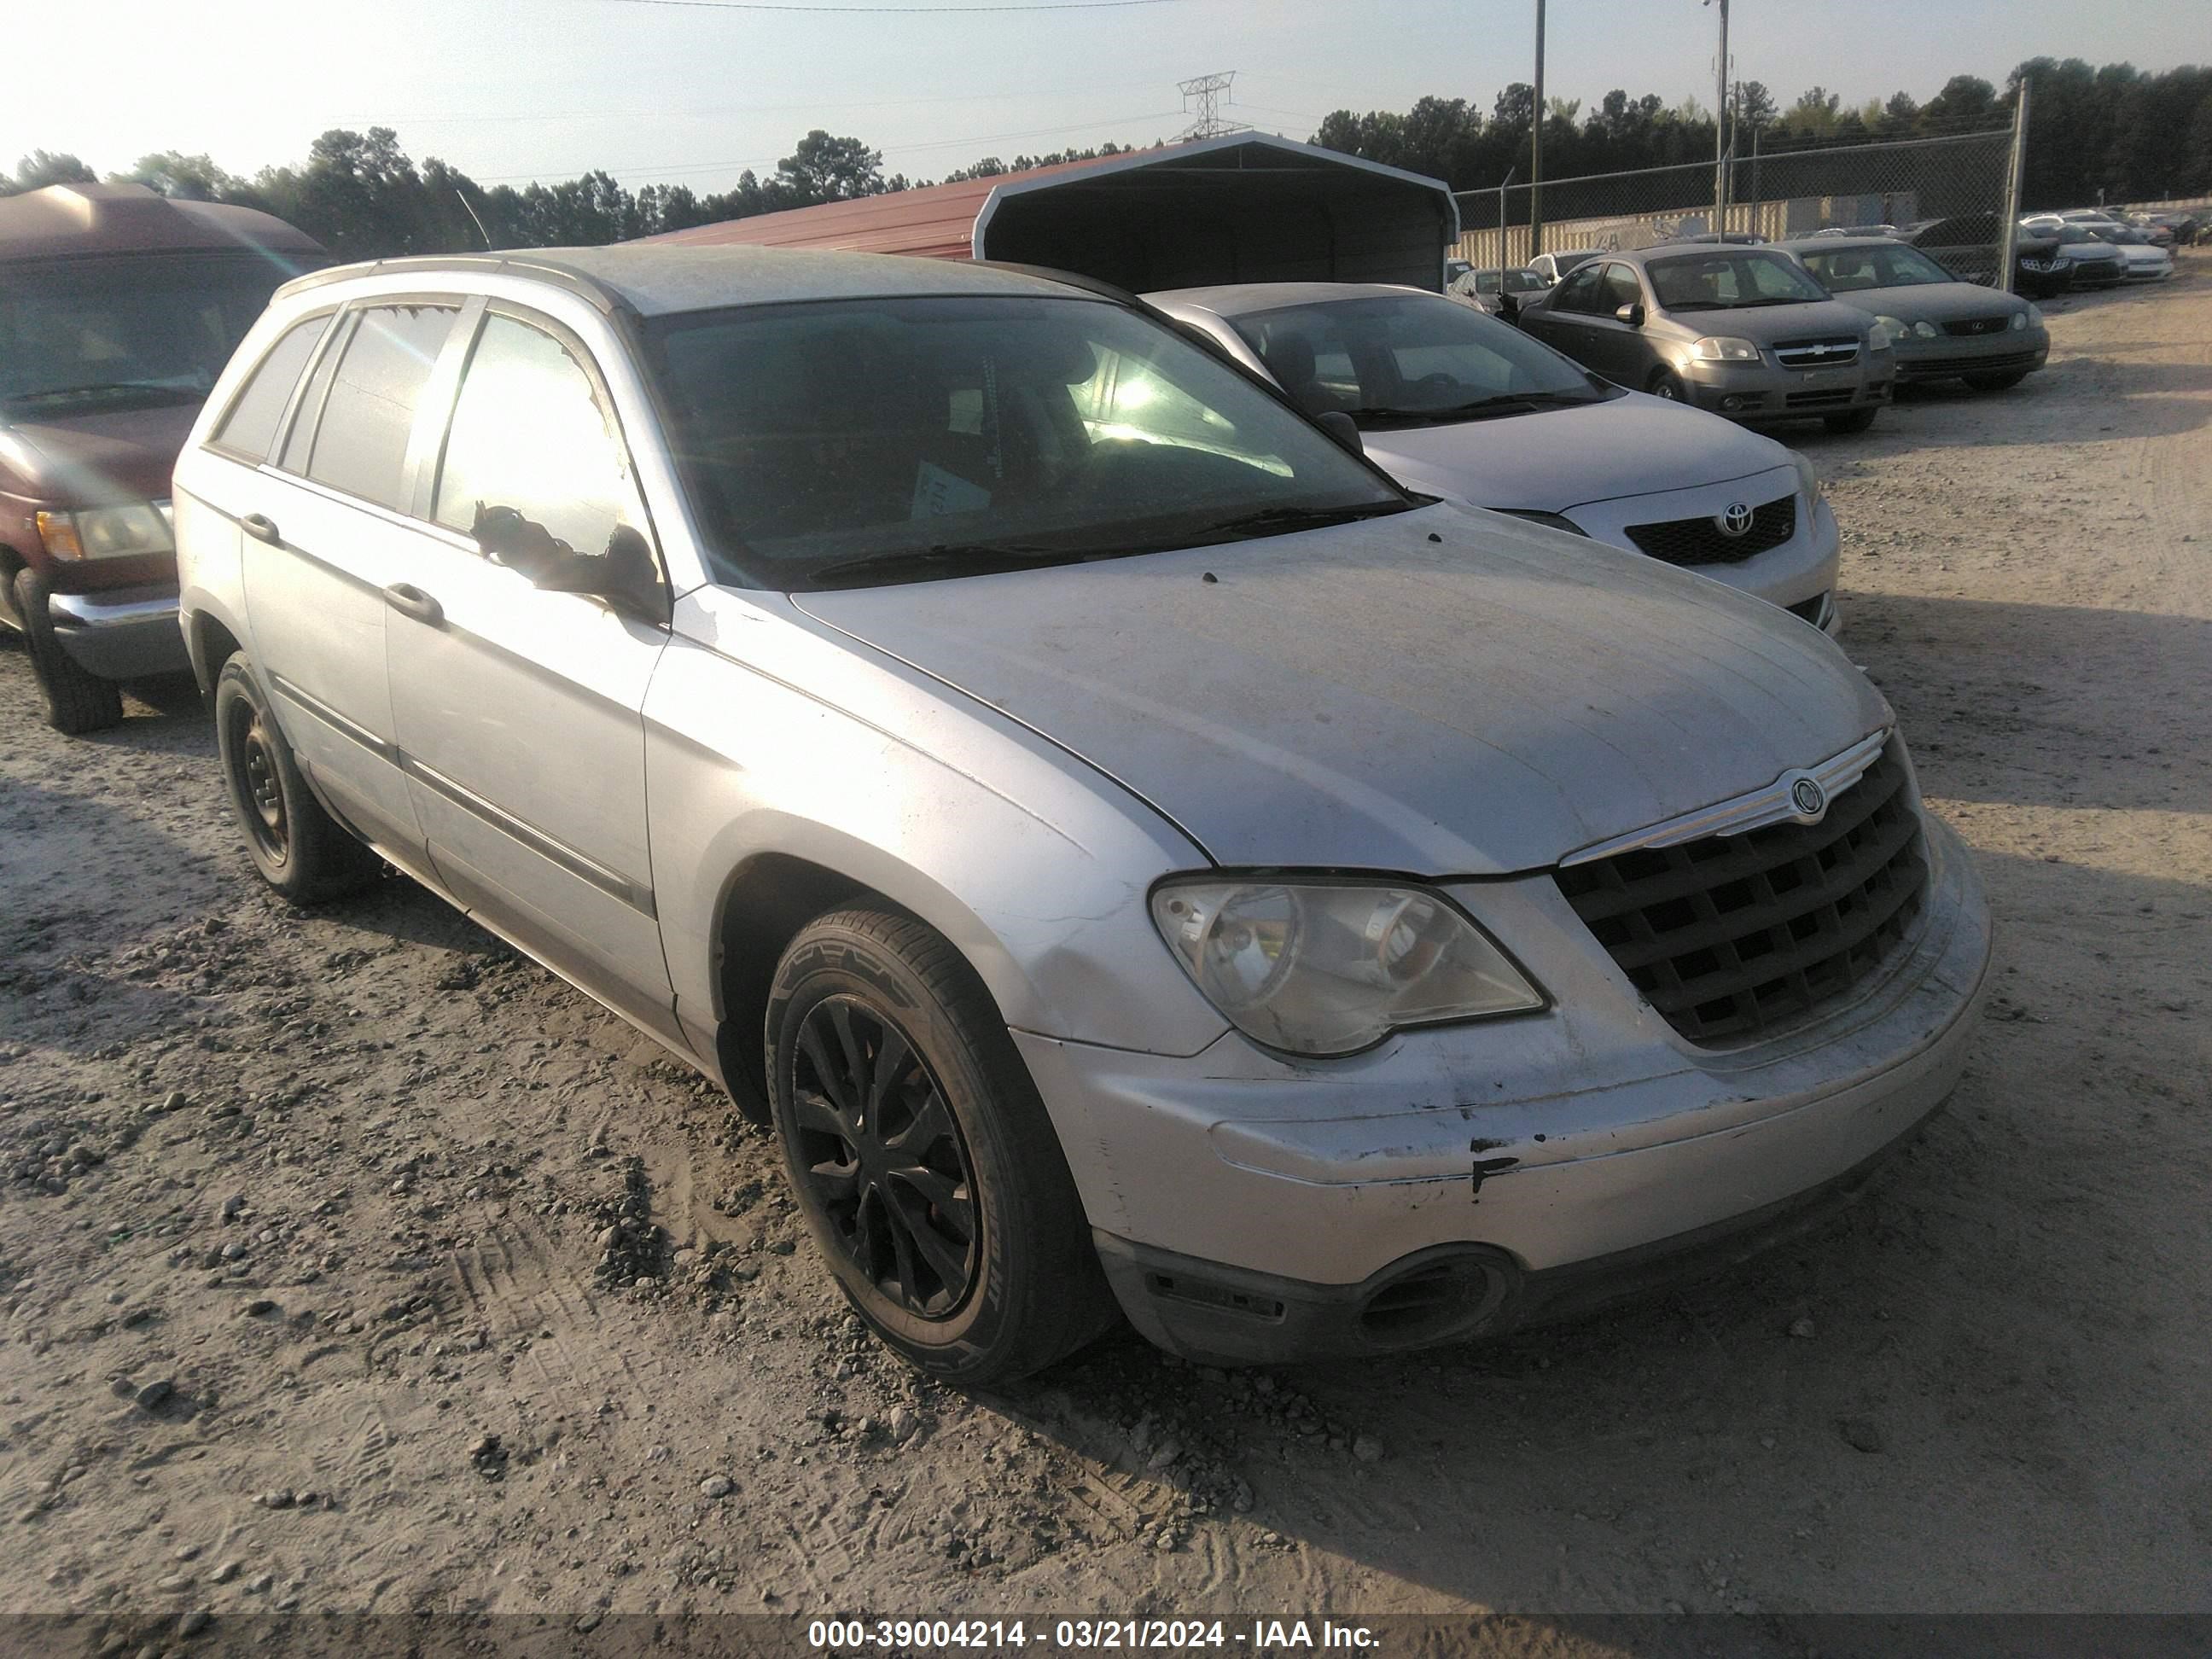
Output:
x=922 y=1158
x=884 y=1160
x=299 y=848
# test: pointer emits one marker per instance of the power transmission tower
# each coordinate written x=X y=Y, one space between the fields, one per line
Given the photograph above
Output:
x=1206 y=93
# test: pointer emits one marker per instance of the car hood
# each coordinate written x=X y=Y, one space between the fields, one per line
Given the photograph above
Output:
x=1556 y=458
x=1935 y=303
x=1764 y=325
x=84 y=460
x=1440 y=692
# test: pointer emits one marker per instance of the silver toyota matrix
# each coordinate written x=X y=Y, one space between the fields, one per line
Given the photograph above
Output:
x=1137 y=856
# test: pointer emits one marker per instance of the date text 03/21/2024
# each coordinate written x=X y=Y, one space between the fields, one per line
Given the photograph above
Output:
x=1084 y=1635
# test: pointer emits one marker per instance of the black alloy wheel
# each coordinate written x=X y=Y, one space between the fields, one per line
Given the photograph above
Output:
x=884 y=1158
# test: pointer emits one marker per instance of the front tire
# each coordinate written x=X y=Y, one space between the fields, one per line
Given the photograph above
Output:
x=76 y=701
x=1857 y=420
x=922 y=1156
x=298 y=847
x=1669 y=384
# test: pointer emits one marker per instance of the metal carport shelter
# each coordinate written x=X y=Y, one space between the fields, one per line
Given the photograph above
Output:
x=1242 y=208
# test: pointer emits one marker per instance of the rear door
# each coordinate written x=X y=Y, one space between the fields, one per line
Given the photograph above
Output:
x=516 y=710
x=325 y=543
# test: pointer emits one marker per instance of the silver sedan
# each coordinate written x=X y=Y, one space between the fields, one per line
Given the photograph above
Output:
x=1462 y=406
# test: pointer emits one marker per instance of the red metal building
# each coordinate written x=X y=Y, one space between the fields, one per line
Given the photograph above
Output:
x=1241 y=208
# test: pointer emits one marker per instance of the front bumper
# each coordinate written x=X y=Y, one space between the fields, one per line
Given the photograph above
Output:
x=1765 y=390
x=1479 y=1166
x=125 y=633
x=1950 y=357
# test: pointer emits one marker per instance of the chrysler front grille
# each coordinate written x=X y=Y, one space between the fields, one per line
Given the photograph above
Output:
x=1729 y=936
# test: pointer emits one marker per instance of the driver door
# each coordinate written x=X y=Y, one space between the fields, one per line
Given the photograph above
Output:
x=1563 y=322
x=517 y=709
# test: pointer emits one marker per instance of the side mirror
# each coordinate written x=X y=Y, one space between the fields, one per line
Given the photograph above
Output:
x=1341 y=426
x=1632 y=313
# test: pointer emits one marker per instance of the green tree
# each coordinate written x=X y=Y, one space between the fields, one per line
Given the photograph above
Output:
x=43 y=167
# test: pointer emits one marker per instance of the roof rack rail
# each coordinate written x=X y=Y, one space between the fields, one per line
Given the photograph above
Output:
x=588 y=288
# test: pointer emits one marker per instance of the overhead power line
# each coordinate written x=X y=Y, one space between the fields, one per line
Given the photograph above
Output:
x=894 y=11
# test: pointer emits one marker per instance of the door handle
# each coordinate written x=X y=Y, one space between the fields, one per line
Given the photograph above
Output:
x=261 y=528
x=411 y=601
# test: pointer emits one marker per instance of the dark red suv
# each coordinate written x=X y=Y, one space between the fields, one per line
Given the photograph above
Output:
x=117 y=309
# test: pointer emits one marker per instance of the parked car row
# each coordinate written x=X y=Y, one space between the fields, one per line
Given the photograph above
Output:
x=1084 y=771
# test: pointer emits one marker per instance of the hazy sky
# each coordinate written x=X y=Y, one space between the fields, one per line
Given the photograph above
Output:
x=651 y=90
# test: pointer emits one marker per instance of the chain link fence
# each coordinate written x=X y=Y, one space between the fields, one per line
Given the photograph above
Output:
x=1952 y=196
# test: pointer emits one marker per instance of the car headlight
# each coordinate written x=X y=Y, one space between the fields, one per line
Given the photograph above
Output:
x=1320 y=967
x=1885 y=329
x=1725 y=348
x=2033 y=314
x=106 y=533
x=1808 y=479
x=2019 y=319
x=1925 y=329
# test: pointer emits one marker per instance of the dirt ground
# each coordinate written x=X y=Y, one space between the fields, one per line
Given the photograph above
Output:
x=308 y=1305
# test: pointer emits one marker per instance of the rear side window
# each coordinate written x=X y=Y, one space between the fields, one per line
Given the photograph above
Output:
x=250 y=426
x=360 y=445
x=528 y=432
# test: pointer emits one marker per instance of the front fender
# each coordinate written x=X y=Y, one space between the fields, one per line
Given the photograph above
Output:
x=812 y=747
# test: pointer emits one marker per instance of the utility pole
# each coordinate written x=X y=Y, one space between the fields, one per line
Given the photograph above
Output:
x=1504 y=259
x=1208 y=92
x=1535 y=162
x=2015 y=174
x=1720 y=128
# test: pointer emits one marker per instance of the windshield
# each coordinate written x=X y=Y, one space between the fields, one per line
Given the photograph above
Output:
x=1398 y=359
x=1878 y=265
x=1727 y=280
x=880 y=440
x=146 y=330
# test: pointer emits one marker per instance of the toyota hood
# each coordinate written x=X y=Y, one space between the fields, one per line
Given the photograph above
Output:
x=1557 y=458
x=1440 y=692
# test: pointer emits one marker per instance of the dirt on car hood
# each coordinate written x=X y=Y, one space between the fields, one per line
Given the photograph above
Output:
x=1442 y=691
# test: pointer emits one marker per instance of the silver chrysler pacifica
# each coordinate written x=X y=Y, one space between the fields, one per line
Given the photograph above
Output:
x=1133 y=853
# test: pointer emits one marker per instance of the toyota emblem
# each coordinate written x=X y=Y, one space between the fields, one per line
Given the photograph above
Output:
x=1733 y=520
x=1810 y=800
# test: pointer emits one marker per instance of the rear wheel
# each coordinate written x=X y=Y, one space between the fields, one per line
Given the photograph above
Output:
x=922 y=1158
x=1996 y=382
x=298 y=847
x=1857 y=420
x=76 y=701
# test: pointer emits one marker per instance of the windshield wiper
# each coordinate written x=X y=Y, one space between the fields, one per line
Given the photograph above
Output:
x=1271 y=519
x=103 y=388
x=1502 y=402
x=945 y=559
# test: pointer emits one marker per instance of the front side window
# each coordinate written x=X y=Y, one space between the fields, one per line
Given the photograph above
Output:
x=1729 y=280
x=1619 y=288
x=529 y=433
x=360 y=444
x=1900 y=266
x=250 y=426
x=93 y=334
x=877 y=440
x=1413 y=359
